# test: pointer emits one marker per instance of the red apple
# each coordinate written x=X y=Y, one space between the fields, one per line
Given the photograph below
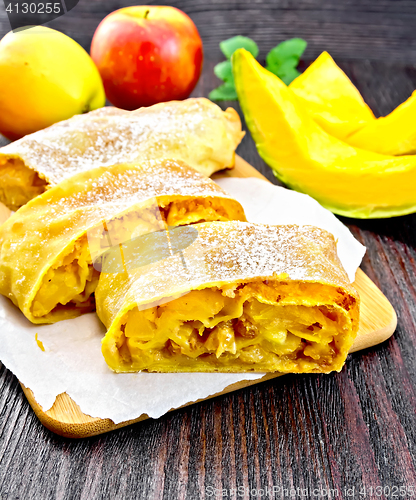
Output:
x=147 y=54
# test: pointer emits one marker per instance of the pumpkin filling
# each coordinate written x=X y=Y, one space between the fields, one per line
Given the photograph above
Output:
x=18 y=184
x=267 y=326
x=69 y=284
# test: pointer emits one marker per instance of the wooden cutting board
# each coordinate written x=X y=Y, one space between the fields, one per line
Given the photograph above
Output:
x=377 y=323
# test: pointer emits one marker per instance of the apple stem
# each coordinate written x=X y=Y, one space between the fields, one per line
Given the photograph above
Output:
x=146 y=14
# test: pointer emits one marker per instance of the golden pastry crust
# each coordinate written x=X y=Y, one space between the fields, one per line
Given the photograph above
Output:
x=195 y=131
x=47 y=247
x=196 y=310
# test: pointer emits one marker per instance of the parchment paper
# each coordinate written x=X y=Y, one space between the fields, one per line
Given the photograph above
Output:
x=72 y=360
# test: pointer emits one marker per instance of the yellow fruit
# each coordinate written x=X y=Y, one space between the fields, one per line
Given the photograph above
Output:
x=335 y=104
x=347 y=180
x=331 y=98
x=394 y=134
x=45 y=77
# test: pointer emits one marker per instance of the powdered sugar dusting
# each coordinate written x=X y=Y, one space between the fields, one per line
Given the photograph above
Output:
x=228 y=252
x=104 y=193
x=49 y=225
x=122 y=186
x=196 y=131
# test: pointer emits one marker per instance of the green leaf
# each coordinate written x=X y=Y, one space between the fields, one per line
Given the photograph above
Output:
x=224 y=92
x=288 y=77
x=224 y=71
x=281 y=67
x=228 y=47
x=293 y=48
x=283 y=59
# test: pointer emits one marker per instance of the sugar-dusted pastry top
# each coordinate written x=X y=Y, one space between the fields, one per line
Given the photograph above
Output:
x=56 y=229
x=239 y=297
x=195 y=131
x=225 y=252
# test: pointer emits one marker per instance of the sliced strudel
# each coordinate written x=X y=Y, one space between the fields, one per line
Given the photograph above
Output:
x=240 y=297
x=196 y=131
x=50 y=249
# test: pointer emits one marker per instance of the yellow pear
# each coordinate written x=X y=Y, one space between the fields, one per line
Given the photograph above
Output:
x=45 y=77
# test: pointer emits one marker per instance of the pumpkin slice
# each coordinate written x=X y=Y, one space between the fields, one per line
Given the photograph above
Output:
x=346 y=180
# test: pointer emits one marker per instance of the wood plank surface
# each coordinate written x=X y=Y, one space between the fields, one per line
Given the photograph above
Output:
x=349 y=29
x=340 y=434
x=378 y=321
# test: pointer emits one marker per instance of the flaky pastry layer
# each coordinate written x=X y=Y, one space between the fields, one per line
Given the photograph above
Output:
x=195 y=131
x=241 y=297
x=49 y=246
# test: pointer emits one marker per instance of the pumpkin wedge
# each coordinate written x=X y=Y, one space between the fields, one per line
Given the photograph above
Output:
x=336 y=105
x=346 y=180
x=331 y=98
x=394 y=134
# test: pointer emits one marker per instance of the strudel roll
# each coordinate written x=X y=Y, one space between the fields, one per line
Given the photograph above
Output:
x=240 y=297
x=195 y=131
x=50 y=248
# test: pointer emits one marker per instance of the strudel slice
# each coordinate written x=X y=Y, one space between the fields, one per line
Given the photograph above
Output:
x=50 y=248
x=195 y=131
x=240 y=297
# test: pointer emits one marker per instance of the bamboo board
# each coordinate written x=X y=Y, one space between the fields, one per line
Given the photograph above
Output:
x=377 y=323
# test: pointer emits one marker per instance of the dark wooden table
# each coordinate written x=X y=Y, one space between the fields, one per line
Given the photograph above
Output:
x=345 y=435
